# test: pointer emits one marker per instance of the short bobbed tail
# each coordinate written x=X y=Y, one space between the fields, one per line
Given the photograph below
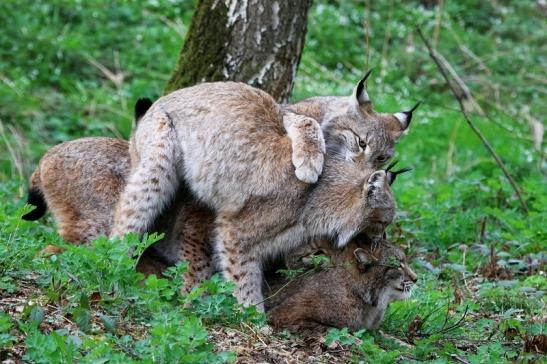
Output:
x=35 y=198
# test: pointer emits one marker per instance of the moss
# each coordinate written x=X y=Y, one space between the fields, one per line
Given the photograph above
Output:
x=204 y=50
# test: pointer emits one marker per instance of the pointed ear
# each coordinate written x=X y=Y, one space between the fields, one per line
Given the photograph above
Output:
x=405 y=117
x=360 y=96
x=364 y=259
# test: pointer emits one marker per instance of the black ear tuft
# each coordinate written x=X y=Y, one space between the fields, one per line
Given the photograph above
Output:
x=361 y=84
x=141 y=107
x=391 y=165
x=415 y=107
x=409 y=113
x=392 y=175
x=35 y=198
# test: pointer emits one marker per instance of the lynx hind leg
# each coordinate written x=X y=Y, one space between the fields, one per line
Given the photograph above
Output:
x=308 y=146
x=154 y=178
x=200 y=262
x=238 y=264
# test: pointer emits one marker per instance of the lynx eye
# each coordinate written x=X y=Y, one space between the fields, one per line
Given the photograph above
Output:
x=382 y=158
x=362 y=143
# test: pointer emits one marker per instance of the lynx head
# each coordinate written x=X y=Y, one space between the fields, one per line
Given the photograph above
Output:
x=351 y=288
x=360 y=134
x=387 y=273
x=377 y=271
x=359 y=201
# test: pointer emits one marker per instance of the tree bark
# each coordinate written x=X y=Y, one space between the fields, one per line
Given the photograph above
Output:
x=258 y=42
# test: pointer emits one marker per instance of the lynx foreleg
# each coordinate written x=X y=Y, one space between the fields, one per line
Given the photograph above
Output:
x=308 y=146
x=153 y=181
x=239 y=265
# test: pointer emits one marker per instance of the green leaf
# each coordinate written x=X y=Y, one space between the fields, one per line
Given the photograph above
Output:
x=109 y=323
x=82 y=317
x=36 y=316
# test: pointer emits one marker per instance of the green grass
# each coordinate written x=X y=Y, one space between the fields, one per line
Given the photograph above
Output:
x=54 y=87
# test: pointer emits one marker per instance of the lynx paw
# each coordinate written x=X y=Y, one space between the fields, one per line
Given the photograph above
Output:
x=308 y=168
x=375 y=182
x=309 y=154
x=308 y=146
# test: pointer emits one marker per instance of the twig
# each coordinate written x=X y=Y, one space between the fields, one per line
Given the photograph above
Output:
x=447 y=315
x=450 y=152
x=456 y=325
x=438 y=19
x=367 y=28
x=285 y=286
x=457 y=358
x=15 y=155
x=301 y=275
x=385 y=46
x=461 y=97
x=116 y=78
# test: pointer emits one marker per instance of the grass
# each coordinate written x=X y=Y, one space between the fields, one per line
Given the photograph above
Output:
x=72 y=69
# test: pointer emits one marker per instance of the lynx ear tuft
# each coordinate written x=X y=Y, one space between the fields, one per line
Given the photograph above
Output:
x=391 y=175
x=405 y=117
x=360 y=93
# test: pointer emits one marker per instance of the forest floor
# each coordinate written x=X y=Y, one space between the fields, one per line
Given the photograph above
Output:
x=74 y=69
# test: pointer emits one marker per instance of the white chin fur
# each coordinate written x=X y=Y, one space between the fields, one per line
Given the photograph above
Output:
x=403 y=119
x=396 y=295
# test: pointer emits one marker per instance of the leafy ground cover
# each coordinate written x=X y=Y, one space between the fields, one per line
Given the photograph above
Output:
x=71 y=69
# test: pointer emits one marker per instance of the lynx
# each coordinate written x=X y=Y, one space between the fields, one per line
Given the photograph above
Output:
x=353 y=290
x=231 y=145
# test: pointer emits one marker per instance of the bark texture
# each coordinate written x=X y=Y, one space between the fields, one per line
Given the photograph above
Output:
x=258 y=42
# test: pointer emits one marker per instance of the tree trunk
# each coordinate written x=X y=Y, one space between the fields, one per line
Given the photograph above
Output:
x=258 y=42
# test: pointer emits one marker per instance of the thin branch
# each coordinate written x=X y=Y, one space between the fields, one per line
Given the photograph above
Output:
x=286 y=285
x=443 y=65
x=438 y=20
x=456 y=325
x=367 y=29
